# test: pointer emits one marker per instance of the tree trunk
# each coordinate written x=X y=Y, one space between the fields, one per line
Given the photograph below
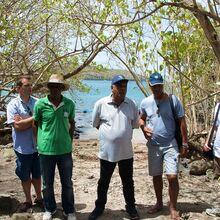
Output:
x=210 y=33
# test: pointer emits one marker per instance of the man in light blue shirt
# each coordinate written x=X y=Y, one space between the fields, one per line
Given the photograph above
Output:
x=115 y=116
x=19 y=116
x=158 y=125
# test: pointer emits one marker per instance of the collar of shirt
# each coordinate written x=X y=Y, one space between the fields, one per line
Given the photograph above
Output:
x=20 y=99
x=113 y=103
x=50 y=103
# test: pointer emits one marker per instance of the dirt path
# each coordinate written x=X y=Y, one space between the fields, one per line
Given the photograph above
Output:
x=195 y=193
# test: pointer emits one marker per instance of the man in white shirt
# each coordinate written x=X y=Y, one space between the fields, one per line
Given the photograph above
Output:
x=216 y=145
x=115 y=116
x=216 y=152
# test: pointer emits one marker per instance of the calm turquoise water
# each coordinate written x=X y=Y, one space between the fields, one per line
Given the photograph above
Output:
x=99 y=88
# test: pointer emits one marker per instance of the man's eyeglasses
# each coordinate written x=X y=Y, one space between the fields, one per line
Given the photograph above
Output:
x=158 y=109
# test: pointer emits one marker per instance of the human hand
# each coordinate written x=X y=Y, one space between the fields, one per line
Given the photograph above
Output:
x=148 y=132
x=206 y=147
x=17 y=117
x=183 y=151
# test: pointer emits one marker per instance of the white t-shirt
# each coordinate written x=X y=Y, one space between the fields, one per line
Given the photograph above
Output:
x=115 y=124
x=216 y=147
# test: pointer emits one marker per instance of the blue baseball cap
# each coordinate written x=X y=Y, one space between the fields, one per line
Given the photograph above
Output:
x=155 y=79
x=118 y=78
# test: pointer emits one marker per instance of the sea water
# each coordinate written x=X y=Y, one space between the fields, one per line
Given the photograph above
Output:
x=85 y=102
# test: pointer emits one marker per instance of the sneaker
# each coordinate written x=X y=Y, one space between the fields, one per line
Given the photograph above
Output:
x=132 y=212
x=95 y=213
x=48 y=215
x=213 y=212
x=25 y=206
x=70 y=216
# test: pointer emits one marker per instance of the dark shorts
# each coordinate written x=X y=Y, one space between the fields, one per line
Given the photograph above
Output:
x=27 y=165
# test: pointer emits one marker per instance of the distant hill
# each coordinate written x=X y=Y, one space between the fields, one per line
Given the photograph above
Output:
x=103 y=74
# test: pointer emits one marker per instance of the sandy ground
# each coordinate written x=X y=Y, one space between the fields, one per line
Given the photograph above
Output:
x=196 y=194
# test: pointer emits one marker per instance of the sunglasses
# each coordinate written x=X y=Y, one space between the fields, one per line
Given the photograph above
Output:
x=158 y=109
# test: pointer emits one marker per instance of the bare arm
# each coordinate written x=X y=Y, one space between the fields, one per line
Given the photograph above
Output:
x=21 y=124
x=72 y=128
x=183 y=129
x=206 y=146
x=146 y=131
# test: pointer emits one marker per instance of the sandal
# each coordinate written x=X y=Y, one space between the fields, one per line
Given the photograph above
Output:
x=39 y=203
x=154 y=209
x=25 y=206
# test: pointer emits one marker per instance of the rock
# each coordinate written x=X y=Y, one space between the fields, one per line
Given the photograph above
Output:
x=199 y=167
x=78 y=130
x=76 y=136
x=91 y=177
x=198 y=216
x=85 y=191
x=22 y=216
x=8 y=154
x=7 y=203
x=5 y=135
x=9 y=145
x=94 y=144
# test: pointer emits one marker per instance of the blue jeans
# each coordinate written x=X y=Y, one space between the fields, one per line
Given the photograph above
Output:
x=126 y=174
x=64 y=163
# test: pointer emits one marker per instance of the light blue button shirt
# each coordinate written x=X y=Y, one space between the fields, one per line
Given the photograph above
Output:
x=23 y=141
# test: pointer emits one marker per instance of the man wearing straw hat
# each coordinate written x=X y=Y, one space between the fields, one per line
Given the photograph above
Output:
x=54 y=116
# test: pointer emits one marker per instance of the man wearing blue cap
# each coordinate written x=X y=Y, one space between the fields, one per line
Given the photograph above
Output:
x=115 y=116
x=158 y=125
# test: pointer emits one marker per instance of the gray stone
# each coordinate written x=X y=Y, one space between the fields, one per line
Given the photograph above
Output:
x=8 y=153
x=7 y=203
x=199 y=167
x=22 y=216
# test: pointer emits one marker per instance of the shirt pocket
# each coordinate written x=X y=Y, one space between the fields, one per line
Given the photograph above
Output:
x=106 y=119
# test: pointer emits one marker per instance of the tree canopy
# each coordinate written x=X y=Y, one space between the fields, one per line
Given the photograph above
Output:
x=179 y=38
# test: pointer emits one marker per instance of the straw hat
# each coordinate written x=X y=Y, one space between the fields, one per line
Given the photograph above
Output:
x=58 y=79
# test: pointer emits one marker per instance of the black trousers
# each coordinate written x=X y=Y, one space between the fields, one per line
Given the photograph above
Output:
x=126 y=174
